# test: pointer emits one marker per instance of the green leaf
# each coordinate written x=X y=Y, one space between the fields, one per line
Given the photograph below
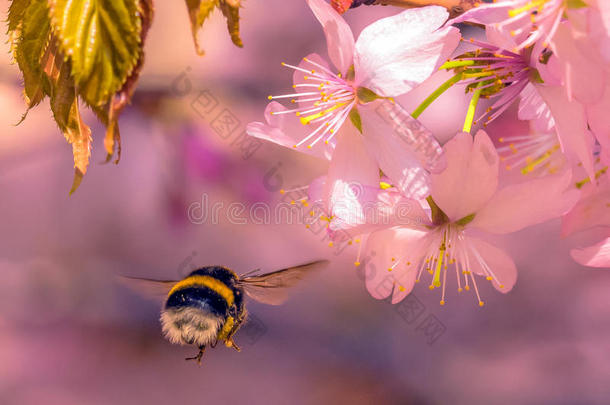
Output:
x=231 y=13
x=438 y=216
x=535 y=76
x=355 y=118
x=109 y=115
x=350 y=75
x=102 y=40
x=575 y=4
x=466 y=220
x=15 y=14
x=30 y=47
x=366 y=95
x=63 y=93
x=199 y=11
x=64 y=104
x=65 y=108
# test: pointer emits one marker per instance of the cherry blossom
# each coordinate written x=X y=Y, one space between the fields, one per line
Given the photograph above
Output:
x=465 y=203
x=390 y=58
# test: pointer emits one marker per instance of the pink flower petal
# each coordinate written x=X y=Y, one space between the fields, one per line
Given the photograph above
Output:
x=395 y=54
x=378 y=209
x=599 y=28
x=497 y=15
x=584 y=80
x=603 y=7
x=381 y=247
x=598 y=115
x=298 y=77
x=485 y=256
x=339 y=36
x=570 y=122
x=471 y=177
x=315 y=191
x=533 y=108
x=524 y=204
x=485 y=14
x=286 y=130
x=591 y=211
x=351 y=171
x=500 y=38
x=417 y=138
x=597 y=255
x=397 y=157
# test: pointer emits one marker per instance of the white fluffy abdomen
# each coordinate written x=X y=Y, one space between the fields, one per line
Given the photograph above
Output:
x=190 y=325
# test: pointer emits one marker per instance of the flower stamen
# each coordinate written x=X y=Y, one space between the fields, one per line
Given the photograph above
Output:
x=328 y=100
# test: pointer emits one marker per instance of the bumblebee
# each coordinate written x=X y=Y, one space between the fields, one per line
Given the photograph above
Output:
x=207 y=306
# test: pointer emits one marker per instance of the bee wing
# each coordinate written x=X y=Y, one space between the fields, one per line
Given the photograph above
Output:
x=272 y=288
x=148 y=288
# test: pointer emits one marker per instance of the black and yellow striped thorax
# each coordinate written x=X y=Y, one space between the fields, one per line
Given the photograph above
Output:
x=212 y=289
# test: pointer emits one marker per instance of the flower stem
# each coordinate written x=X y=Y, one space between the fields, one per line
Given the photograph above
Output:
x=436 y=94
x=472 y=107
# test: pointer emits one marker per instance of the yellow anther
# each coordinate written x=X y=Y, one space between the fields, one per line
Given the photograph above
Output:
x=309 y=118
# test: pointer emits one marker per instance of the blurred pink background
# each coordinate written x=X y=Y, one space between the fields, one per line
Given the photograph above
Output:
x=69 y=334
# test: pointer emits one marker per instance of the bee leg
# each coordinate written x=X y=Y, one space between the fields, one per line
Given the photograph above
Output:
x=199 y=355
x=230 y=343
x=229 y=340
